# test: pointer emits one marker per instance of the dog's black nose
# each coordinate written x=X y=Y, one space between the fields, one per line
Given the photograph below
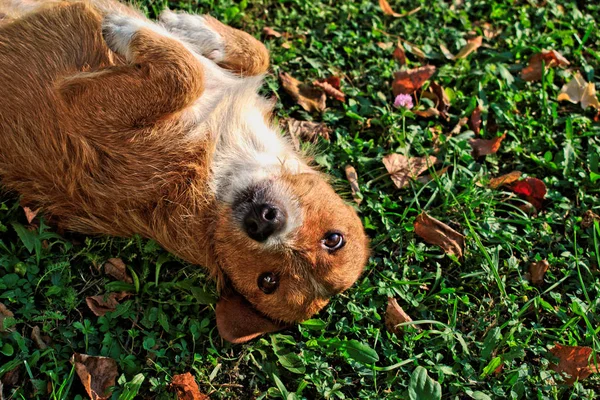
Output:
x=263 y=220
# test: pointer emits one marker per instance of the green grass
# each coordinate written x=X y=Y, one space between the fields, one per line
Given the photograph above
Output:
x=474 y=313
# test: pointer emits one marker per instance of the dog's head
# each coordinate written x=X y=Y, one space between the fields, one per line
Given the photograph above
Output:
x=286 y=244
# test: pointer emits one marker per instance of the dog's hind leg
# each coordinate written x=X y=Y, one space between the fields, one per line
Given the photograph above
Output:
x=160 y=78
x=230 y=48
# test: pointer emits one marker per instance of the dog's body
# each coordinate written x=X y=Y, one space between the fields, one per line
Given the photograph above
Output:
x=115 y=125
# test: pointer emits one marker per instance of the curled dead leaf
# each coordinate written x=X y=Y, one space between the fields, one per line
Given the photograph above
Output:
x=387 y=10
x=457 y=128
x=430 y=112
x=116 y=268
x=399 y=54
x=532 y=190
x=580 y=91
x=472 y=45
x=102 y=304
x=409 y=80
x=36 y=336
x=443 y=101
x=305 y=131
x=506 y=179
x=331 y=86
x=385 y=45
x=352 y=177
x=5 y=313
x=394 y=316
x=307 y=96
x=537 y=270
x=483 y=147
x=439 y=234
x=30 y=214
x=573 y=361
x=271 y=33
x=402 y=168
x=588 y=219
x=475 y=120
x=97 y=374
x=186 y=387
x=533 y=71
x=489 y=31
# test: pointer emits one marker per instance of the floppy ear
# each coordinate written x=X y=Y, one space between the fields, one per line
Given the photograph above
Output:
x=239 y=322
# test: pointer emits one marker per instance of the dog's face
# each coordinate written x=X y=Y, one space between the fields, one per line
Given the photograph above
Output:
x=287 y=244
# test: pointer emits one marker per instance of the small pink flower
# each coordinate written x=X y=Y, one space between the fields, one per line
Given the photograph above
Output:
x=403 y=100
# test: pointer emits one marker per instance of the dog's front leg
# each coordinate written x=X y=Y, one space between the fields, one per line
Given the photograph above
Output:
x=160 y=78
x=230 y=48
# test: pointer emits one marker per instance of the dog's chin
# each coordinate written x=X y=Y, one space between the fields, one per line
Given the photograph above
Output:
x=238 y=321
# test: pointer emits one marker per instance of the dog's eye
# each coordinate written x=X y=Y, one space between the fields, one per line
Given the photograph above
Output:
x=268 y=282
x=333 y=241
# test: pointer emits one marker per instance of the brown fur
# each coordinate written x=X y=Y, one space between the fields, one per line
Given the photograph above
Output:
x=100 y=145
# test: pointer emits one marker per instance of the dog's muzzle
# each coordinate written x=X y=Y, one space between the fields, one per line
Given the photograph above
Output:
x=260 y=213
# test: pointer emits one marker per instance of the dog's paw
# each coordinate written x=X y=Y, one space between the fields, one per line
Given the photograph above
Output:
x=197 y=31
x=119 y=30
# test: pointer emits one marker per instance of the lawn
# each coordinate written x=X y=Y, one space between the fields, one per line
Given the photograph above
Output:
x=483 y=326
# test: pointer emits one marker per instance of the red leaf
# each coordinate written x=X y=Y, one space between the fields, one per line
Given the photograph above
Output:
x=186 y=387
x=533 y=71
x=475 y=120
x=573 y=361
x=531 y=189
x=409 y=80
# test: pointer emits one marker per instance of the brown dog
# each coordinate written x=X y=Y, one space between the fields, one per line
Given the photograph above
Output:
x=113 y=124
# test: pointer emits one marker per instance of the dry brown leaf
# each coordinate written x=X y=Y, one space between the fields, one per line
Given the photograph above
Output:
x=409 y=80
x=36 y=336
x=537 y=270
x=475 y=120
x=439 y=234
x=331 y=86
x=116 y=268
x=456 y=130
x=489 y=31
x=394 y=316
x=472 y=45
x=307 y=96
x=430 y=112
x=507 y=179
x=186 y=387
x=588 y=219
x=11 y=378
x=305 y=131
x=30 y=214
x=533 y=71
x=352 y=177
x=5 y=313
x=573 y=361
x=387 y=9
x=402 y=168
x=97 y=374
x=483 y=147
x=443 y=101
x=580 y=91
x=399 y=54
x=102 y=304
x=446 y=52
x=426 y=178
x=271 y=33
x=411 y=48
x=385 y=45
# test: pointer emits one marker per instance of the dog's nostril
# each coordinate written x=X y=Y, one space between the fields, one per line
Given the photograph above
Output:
x=263 y=221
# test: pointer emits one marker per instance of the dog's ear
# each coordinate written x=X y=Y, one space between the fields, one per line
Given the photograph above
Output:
x=239 y=322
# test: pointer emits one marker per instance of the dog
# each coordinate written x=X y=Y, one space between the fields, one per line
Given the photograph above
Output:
x=116 y=125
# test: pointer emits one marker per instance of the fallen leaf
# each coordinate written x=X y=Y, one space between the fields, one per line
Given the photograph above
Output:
x=580 y=91
x=439 y=234
x=489 y=31
x=409 y=80
x=533 y=71
x=305 y=131
x=331 y=86
x=116 y=268
x=387 y=9
x=456 y=130
x=483 y=147
x=537 y=270
x=472 y=45
x=186 y=387
x=475 y=120
x=506 y=179
x=532 y=190
x=394 y=316
x=97 y=374
x=429 y=177
x=573 y=361
x=271 y=33
x=443 y=100
x=5 y=313
x=102 y=304
x=430 y=112
x=307 y=96
x=30 y=214
x=402 y=168
x=399 y=54
x=36 y=336
x=588 y=219
x=385 y=45
x=11 y=378
x=352 y=177
x=446 y=52
x=411 y=48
